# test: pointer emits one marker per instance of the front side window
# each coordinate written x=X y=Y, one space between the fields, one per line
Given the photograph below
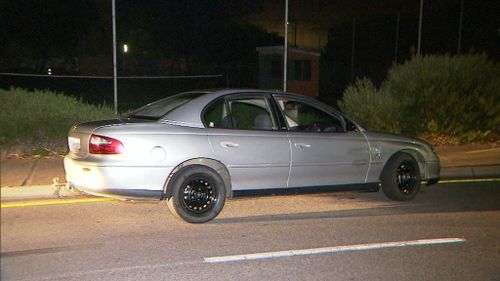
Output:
x=302 y=117
x=241 y=113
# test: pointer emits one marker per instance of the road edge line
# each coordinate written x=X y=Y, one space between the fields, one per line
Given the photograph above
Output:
x=469 y=180
x=53 y=202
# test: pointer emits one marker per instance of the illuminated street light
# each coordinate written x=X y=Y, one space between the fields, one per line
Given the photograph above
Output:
x=125 y=48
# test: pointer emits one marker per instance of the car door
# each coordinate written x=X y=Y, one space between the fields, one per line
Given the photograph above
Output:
x=323 y=151
x=244 y=133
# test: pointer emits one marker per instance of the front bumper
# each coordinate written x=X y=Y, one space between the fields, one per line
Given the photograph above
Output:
x=126 y=182
x=433 y=171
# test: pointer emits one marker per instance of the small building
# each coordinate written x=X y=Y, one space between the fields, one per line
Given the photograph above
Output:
x=302 y=74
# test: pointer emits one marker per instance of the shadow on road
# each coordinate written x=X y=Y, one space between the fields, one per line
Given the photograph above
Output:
x=442 y=198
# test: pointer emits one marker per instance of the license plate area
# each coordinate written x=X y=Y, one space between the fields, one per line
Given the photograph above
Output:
x=74 y=144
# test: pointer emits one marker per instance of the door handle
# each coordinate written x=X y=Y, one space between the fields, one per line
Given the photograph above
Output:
x=302 y=145
x=229 y=144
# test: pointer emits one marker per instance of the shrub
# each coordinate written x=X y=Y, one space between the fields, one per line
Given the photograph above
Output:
x=371 y=107
x=38 y=120
x=458 y=97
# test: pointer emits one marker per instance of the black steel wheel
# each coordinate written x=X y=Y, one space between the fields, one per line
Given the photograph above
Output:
x=198 y=194
x=401 y=177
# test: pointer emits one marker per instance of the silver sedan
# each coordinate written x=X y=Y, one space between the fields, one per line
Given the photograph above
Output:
x=196 y=149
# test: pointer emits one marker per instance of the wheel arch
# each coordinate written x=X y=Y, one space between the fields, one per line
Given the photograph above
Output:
x=413 y=153
x=213 y=164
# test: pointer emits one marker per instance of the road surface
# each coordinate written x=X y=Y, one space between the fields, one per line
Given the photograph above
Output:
x=448 y=232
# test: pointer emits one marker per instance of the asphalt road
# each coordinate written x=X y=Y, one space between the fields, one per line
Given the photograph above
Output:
x=142 y=241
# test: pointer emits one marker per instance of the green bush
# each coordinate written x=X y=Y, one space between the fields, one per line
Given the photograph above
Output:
x=40 y=120
x=457 y=97
x=373 y=108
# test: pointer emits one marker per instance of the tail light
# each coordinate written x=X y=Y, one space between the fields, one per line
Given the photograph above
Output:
x=104 y=145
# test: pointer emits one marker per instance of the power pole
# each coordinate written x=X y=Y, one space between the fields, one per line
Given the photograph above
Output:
x=397 y=37
x=353 y=48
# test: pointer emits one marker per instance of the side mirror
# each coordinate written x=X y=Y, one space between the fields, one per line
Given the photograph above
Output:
x=350 y=126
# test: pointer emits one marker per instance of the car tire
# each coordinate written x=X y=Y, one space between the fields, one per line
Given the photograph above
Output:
x=198 y=194
x=400 y=178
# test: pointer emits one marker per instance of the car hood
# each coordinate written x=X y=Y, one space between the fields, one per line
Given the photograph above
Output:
x=391 y=142
x=382 y=136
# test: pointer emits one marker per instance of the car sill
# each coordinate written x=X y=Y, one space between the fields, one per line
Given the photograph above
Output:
x=307 y=189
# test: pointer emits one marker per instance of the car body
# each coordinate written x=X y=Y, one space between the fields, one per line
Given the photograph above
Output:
x=198 y=148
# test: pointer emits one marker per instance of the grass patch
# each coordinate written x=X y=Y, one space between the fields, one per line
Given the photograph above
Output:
x=37 y=122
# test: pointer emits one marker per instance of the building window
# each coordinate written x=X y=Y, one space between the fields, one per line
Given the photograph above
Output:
x=299 y=70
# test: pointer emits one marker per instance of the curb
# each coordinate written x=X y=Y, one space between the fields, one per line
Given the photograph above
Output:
x=470 y=172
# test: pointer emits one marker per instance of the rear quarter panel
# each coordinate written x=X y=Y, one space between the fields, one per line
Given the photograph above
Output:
x=154 y=144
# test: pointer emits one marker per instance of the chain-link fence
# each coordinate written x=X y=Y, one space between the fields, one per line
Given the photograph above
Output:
x=133 y=91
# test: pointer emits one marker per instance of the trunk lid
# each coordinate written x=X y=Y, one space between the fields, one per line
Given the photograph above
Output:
x=79 y=135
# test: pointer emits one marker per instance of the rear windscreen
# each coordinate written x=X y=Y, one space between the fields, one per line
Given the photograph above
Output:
x=157 y=109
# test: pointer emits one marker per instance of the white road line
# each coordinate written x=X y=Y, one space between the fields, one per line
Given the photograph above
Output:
x=337 y=249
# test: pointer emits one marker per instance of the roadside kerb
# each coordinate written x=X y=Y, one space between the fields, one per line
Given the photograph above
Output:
x=470 y=172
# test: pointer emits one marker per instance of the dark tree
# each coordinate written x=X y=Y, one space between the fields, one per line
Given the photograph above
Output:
x=33 y=31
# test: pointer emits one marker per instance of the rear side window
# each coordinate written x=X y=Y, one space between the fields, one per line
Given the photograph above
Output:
x=216 y=115
x=243 y=113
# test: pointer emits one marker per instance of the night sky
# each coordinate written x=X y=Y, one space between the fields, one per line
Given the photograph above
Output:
x=74 y=37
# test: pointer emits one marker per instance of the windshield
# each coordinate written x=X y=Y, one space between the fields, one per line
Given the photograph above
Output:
x=157 y=109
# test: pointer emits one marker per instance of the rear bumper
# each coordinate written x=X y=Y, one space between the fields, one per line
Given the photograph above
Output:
x=116 y=181
x=432 y=181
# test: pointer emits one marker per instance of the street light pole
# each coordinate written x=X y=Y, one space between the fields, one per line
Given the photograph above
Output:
x=420 y=26
x=115 y=84
x=459 y=47
x=285 y=47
